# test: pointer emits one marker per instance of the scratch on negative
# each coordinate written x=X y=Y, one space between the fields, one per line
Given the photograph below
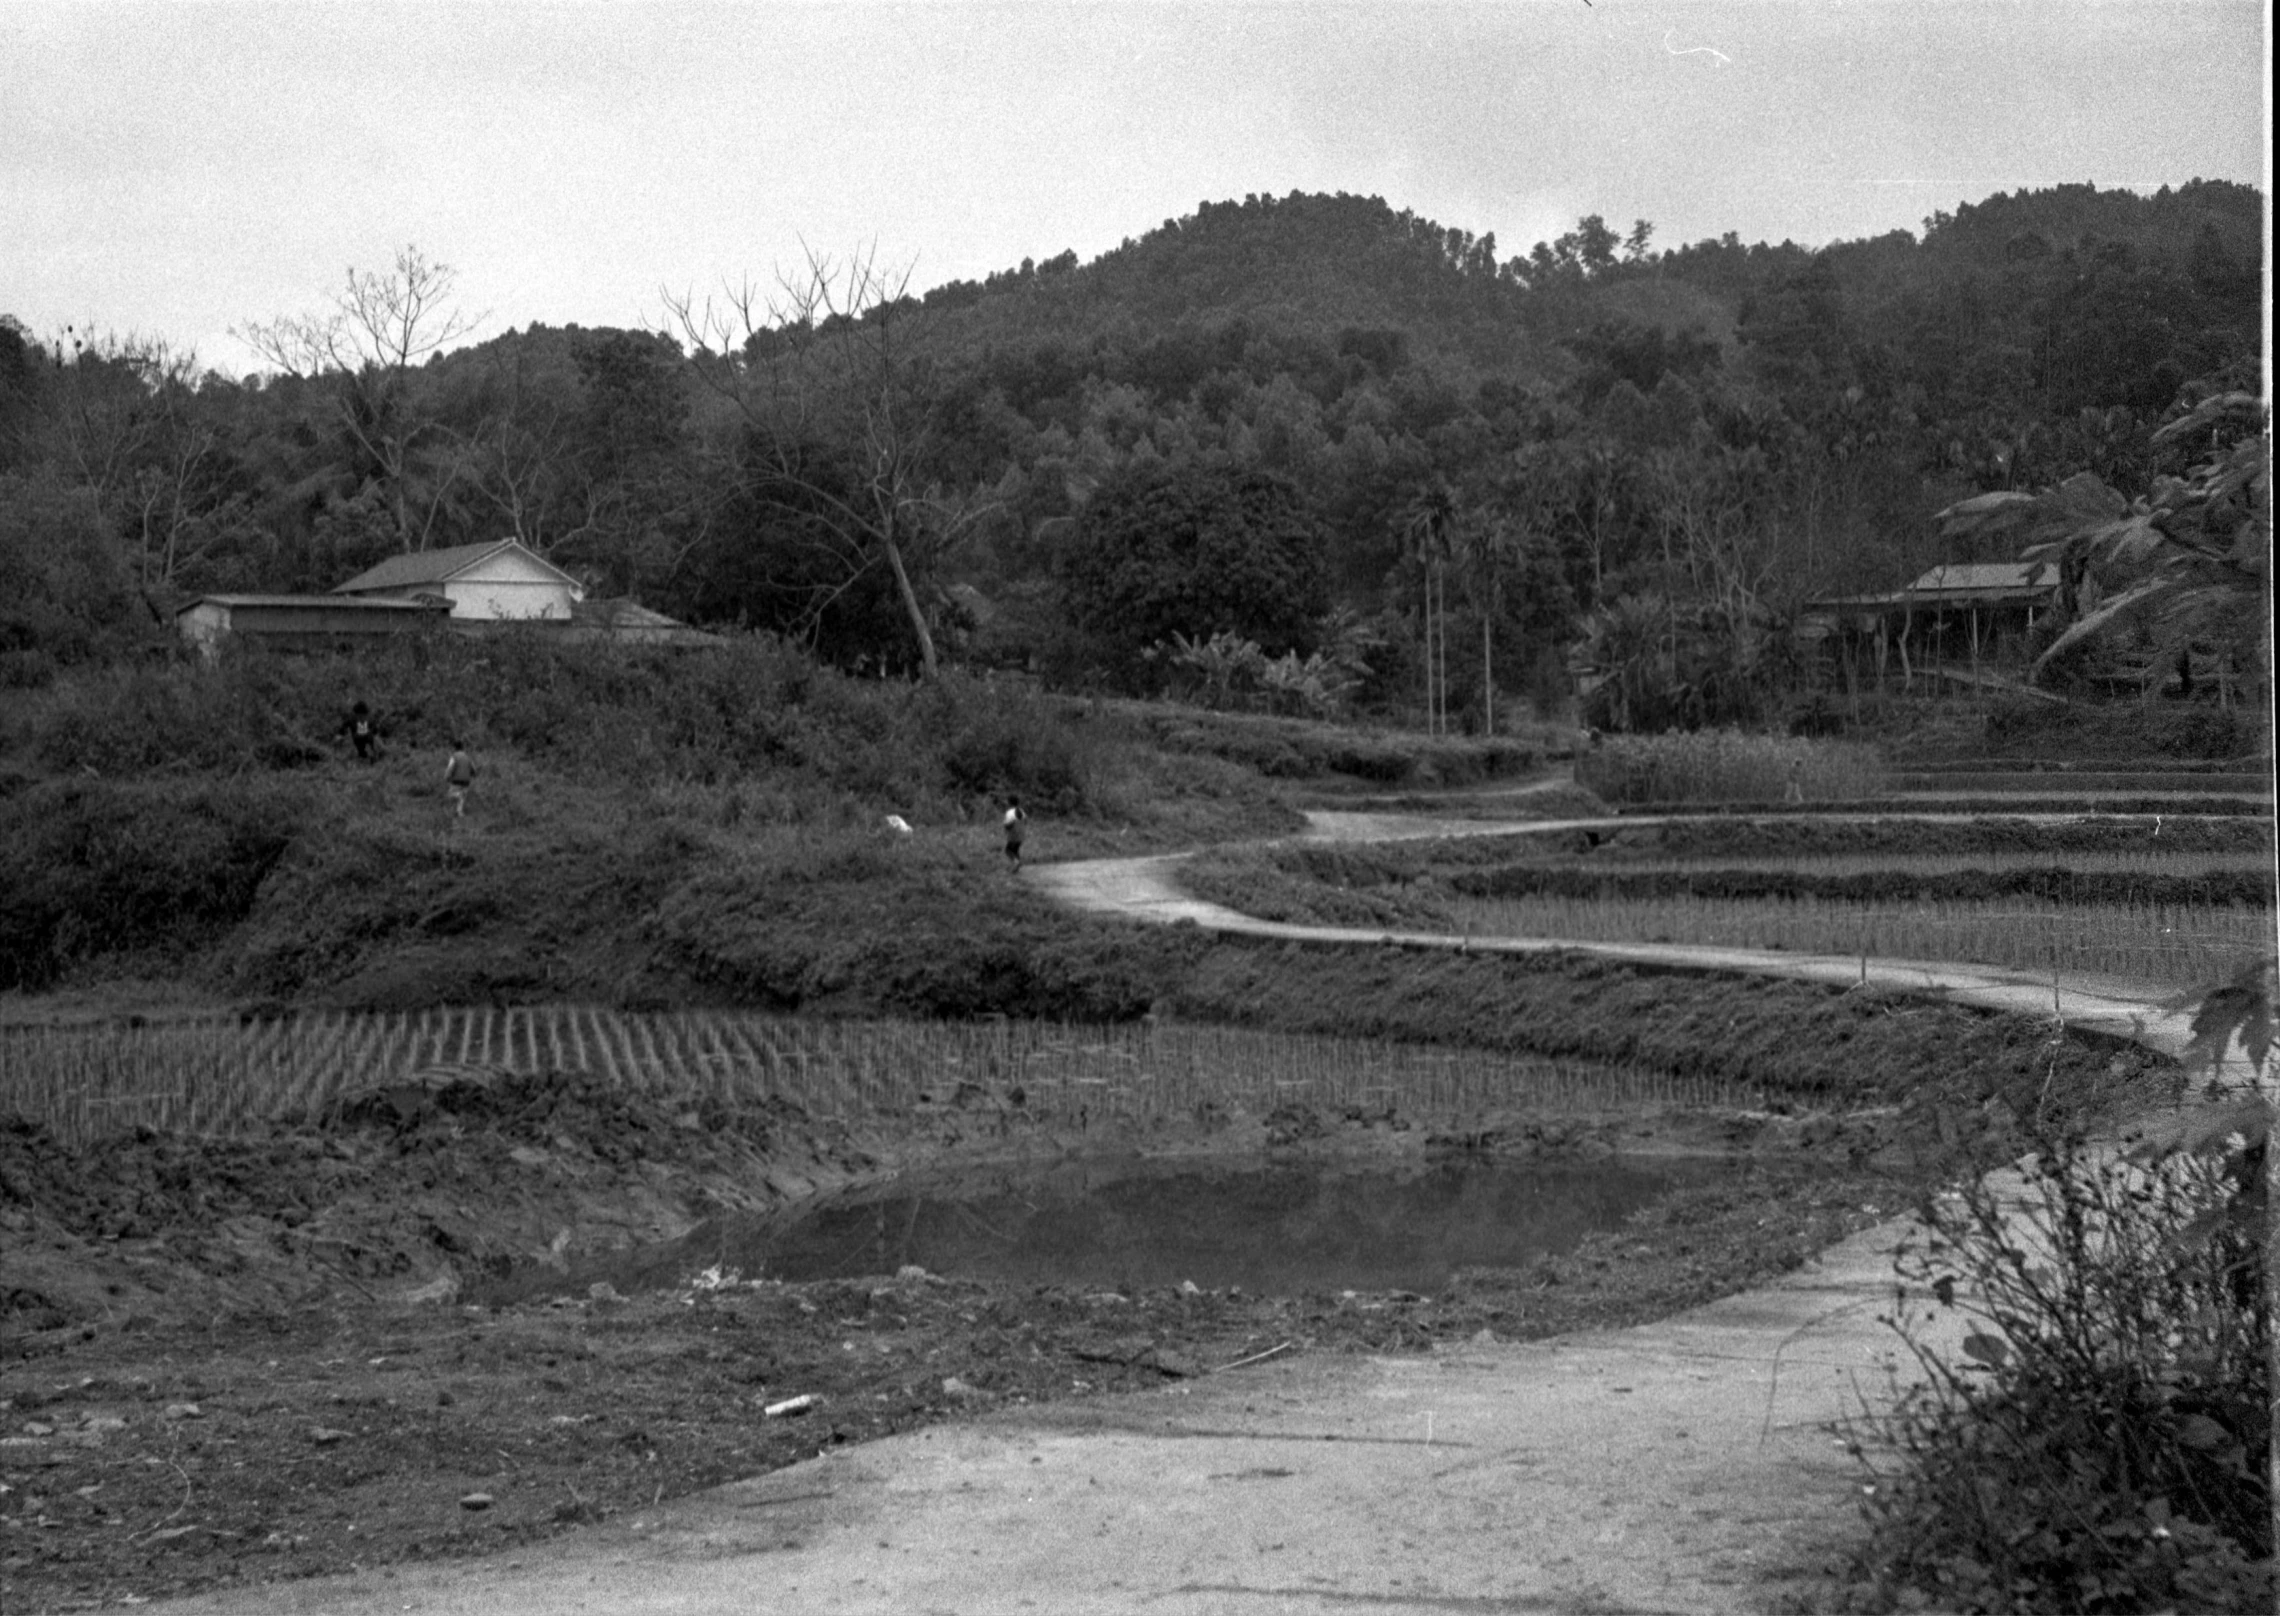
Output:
x=1773 y=1383
x=1693 y=50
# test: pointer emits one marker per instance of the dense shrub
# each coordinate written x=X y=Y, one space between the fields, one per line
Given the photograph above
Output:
x=851 y=922
x=2125 y=731
x=395 y=912
x=591 y=713
x=66 y=595
x=1007 y=738
x=92 y=867
x=1194 y=550
x=2101 y=1444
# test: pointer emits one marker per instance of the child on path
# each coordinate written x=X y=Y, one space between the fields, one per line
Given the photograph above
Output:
x=1015 y=819
x=458 y=776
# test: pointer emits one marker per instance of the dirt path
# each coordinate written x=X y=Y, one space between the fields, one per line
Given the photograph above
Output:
x=1147 y=889
x=1679 y=1466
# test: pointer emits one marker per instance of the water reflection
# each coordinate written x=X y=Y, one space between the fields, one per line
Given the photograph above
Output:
x=1273 y=1228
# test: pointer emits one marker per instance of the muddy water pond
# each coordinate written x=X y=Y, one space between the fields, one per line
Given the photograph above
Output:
x=1270 y=1227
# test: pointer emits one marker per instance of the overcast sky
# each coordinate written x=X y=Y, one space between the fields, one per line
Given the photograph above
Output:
x=177 y=170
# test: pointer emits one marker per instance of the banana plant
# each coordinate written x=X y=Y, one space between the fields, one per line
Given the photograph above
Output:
x=2193 y=555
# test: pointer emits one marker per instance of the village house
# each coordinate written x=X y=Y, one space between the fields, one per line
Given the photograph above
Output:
x=300 y=622
x=469 y=589
x=1955 y=620
x=502 y=581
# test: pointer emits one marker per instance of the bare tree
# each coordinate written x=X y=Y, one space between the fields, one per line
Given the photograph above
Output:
x=181 y=513
x=828 y=378
x=379 y=327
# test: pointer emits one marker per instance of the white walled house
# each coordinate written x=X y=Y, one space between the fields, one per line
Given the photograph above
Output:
x=497 y=582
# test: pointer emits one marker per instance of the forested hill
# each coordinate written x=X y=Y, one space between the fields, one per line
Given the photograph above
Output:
x=1606 y=418
x=1306 y=265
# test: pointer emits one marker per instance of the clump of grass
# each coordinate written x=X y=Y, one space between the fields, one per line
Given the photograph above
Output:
x=1728 y=766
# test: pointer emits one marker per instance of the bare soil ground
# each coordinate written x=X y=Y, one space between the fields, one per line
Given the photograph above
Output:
x=268 y=1357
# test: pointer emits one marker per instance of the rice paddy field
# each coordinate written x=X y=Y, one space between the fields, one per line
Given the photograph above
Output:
x=2166 y=907
x=219 y=1076
x=2183 y=863
x=2172 y=949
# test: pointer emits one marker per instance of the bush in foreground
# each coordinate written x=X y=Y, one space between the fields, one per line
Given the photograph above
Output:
x=2101 y=1444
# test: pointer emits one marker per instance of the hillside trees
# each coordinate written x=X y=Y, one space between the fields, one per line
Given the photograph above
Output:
x=1195 y=550
x=575 y=443
x=1696 y=427
x=363 y=350
x=835 y=394
x=1430 y=528
x=65 y=593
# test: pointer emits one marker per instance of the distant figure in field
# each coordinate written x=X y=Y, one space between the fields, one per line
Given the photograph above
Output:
x=899 y=825
x=458 y=777
x=1796 y=791
x=1015 y=819
x=363 y=732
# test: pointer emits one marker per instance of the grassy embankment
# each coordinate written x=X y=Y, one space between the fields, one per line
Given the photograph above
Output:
x=646 y=832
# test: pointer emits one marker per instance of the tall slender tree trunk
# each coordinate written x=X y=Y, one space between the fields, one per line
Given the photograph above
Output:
x=1488 y=671
x=911 y=608
x=1428 y=658
x=1441 y=642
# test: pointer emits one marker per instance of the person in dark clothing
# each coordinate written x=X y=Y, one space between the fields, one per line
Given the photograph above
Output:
x=1015 y=821
x=363 y=732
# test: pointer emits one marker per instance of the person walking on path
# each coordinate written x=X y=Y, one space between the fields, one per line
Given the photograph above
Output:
x=1015 y=819
x=458 y=777
x=363 y=732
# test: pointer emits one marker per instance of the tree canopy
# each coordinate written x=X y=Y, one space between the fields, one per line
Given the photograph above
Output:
x=1195 y=551
x=1726 y=428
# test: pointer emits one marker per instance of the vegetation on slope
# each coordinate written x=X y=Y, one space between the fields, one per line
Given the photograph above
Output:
x=1723 y=427
x=645 y=828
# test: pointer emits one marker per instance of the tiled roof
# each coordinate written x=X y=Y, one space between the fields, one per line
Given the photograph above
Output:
x=619 y=614
x=630 y=620
x=332 y=603
x=434 y=567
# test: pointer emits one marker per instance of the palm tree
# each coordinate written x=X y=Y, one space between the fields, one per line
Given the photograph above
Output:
x=2191 y=560
x=1486 y=546
x=1428 y=531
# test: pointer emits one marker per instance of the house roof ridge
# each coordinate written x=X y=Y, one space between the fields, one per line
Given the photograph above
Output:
x=438 y=566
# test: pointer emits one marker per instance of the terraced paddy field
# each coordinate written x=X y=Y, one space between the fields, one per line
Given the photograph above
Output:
x=2165 y=903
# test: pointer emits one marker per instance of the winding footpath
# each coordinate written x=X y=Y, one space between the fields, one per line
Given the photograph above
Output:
x=1676 y=1467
